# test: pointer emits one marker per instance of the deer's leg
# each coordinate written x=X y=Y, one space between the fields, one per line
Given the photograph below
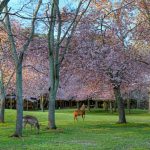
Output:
x=83 y=117
x=37 y=131
x=35 y=127
x=75 y=118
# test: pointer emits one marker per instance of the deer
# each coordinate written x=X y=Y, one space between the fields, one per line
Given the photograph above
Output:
x=31 y=120
x=79 y=112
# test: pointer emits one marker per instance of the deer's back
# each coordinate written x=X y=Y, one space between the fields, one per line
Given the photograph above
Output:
x=79 y=112
x=30 y=119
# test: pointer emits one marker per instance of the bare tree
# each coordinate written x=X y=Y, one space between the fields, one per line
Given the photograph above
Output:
x=55 y=42
x=18 y=60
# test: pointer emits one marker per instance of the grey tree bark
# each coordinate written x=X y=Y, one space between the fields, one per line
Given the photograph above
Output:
x=19 y=104
x=120 y=103
x=2 y=98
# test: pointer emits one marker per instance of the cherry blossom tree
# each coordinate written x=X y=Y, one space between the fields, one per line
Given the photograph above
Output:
x=105 y=47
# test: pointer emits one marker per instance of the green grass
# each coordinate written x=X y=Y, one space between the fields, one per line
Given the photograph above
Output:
x=99 y=131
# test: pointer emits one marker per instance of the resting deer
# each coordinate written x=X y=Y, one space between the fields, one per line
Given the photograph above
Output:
x=33 y=121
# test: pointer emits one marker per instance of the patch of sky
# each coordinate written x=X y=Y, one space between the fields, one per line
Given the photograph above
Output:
x=23 y=11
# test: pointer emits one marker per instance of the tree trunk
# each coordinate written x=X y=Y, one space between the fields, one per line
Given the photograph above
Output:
x=88 y=105
x=115 y=106
x=96 y=104
x=77 y=104
x=2 y=98
x=149 y=102
x=120 y=103
x=19 y=105
x=138 y=104
x=105 y=105
x=42 y=103
x=51 y=112
x=149 y=105
x=52 y=65
x=128 y=105
x=111 y=107
x=27 y=103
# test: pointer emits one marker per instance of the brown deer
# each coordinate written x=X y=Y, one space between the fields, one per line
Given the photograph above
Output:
x=79 y=112
x=33 y=121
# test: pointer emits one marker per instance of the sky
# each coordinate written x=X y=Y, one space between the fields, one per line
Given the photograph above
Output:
x=16 y=5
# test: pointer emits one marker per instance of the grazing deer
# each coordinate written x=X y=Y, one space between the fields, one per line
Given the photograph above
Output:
x=33 y=121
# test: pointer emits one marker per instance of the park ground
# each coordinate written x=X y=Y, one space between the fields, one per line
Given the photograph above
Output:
x=99 y=131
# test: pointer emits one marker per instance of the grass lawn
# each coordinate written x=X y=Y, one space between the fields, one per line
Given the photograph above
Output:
x=99 y=131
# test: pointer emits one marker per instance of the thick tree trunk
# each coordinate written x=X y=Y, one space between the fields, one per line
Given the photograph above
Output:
x=54 y=80
x=53 y=67
x=120 y=103
x=19 y=105
x=51 y=112
x=2 y=98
